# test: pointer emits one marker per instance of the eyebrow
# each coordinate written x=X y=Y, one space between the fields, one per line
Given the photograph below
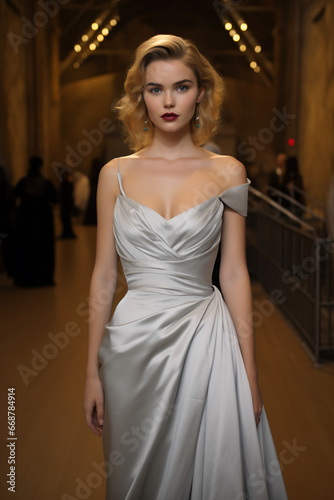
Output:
x=160 y=85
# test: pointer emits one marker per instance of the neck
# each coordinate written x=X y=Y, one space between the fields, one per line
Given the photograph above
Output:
x=173 y=145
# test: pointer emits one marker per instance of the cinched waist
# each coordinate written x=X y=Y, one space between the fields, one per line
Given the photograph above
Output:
x=161 y=282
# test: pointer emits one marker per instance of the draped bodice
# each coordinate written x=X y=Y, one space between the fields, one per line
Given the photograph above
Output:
x=155 y=251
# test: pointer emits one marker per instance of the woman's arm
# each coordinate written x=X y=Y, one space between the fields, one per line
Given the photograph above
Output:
x=102 y=286
x=236 y=289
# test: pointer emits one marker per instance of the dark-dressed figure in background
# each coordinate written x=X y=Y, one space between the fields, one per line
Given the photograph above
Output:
x=90 y=218
x=67 y=206
x=276 y=177
x=34 y=253
x=292 y=179
x=7 y=208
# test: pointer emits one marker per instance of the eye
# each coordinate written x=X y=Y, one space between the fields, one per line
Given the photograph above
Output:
x=183 y=88
x=154 y=89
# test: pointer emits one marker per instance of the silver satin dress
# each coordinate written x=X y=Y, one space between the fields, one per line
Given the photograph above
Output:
x=179 y=420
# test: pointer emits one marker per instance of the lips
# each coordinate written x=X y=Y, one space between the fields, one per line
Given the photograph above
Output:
x=169 y=117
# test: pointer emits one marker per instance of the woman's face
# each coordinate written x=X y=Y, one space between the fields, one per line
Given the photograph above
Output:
x=171 y=88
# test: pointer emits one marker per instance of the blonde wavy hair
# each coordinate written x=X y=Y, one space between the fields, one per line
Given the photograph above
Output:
x=131 y=107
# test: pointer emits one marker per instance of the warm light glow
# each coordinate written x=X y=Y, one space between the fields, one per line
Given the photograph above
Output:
x=236 y=37
x=105 y=31
x=228 y=26
x=253 y=64
x=243 y=26
x=92 y=46
x=257 y=69
x=95 y=26
x=100 y=37
x=77 y=47
x=113 y=22
x=84 y=38
x=76 y=65
x=242 y=47
x=232 y=32
x=258 y=49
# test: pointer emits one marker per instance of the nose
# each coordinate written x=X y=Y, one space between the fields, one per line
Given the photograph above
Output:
x=169 y=100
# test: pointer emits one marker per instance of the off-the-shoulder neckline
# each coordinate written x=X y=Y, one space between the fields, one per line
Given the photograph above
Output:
x=122 y=193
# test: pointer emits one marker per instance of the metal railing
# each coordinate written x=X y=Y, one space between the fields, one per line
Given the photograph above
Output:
x=306 y=213
x=296 y=267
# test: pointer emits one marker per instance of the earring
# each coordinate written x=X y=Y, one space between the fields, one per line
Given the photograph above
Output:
x=145 y=125
x=197 y=117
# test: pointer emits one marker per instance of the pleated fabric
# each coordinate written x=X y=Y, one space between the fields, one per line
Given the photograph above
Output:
x=179 y=420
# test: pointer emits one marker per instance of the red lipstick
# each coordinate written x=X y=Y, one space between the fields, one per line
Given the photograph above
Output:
x=169 y=117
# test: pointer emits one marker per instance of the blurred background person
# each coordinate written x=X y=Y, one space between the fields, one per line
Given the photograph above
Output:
x=90 y=217
x=67 y=206
x=253 y=173
x=276 y=177
x=81 y=193
x=7 y=209
x=292 y=179
x=34 y=253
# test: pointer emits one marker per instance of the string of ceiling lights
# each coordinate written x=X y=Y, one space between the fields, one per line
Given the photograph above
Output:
x=242 y=46
x=95 y=35
x=239 y=31
x=90 y=40
x=232 y=22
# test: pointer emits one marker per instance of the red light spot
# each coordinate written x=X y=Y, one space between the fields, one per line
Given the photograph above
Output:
x=291 y=142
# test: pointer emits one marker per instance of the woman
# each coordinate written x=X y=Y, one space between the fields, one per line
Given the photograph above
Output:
x=170 y=380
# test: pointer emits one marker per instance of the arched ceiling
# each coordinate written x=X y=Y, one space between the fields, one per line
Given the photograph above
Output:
x=199 y=20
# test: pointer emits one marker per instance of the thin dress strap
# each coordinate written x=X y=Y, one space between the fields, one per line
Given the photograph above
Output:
x=119 y=178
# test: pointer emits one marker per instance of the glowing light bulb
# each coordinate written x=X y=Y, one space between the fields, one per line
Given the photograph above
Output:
x=243 y=26
x=228 y=26
x=77 y=48
x=258 y=49
x=92 y=46
x=236 y=37
x=100 y=37
x=105 y=31
x=84 y=38
x=253 y=64
x=242 y=47
x=94 y=26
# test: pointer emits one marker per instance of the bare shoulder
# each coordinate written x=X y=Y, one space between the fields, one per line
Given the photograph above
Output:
x=108 y=177
x=230 y=170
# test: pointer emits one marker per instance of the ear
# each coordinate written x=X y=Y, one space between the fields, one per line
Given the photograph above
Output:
x=201 y=94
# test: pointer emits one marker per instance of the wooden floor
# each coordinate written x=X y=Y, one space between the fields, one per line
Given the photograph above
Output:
x=57 y=457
